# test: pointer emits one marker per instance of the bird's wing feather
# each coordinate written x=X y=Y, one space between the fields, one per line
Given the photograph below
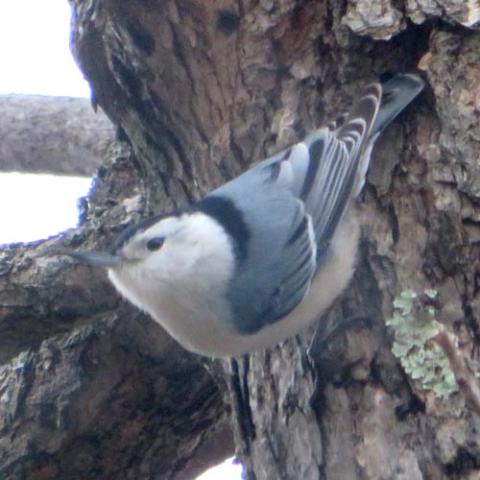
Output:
x=328 y=168
x=276 y=274
x=292 y=204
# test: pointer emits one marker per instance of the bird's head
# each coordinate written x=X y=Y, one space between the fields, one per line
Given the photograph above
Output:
x=140 y=243
x=164 y=249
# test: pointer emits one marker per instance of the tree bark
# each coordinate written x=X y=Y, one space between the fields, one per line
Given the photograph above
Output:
x=93 y=389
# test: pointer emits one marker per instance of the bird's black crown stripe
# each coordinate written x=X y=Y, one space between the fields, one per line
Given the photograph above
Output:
x=230 y=217
x=130 y=231
x=219 y=208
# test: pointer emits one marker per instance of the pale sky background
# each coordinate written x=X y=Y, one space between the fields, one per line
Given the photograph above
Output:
x=34 y=49
x=35 y=59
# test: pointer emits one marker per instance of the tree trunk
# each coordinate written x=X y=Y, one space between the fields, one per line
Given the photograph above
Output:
x=93 y=389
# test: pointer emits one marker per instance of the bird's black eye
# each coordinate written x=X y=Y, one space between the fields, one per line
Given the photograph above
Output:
x=155 y=243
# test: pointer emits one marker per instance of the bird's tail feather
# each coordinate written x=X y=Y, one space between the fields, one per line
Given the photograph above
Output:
x=397 y=93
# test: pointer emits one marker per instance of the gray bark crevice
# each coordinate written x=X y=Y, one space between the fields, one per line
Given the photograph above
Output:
x=202 y=90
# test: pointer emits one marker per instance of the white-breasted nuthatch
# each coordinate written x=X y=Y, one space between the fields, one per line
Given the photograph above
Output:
x=261 y=257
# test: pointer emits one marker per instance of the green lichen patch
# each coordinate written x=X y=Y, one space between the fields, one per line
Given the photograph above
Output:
x=414 y=325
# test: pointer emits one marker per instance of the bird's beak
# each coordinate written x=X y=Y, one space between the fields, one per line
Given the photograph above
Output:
x=99 y=259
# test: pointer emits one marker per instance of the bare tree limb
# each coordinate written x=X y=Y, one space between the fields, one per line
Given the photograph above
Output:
x=52 y=135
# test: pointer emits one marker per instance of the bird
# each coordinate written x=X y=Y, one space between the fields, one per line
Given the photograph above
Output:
x=263 y=256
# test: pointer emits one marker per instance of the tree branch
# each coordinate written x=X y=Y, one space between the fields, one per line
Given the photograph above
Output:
x=52 y=135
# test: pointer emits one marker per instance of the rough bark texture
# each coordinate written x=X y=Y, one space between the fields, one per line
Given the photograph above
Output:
x=52 y=134
x=203 y=89
x=90 y=388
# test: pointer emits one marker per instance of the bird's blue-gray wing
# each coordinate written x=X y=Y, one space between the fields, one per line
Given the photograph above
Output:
x=328 y=168
x=292 y=202
x=276 y=273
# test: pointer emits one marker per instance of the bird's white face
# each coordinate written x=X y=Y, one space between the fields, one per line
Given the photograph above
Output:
x=150 y=244
x=185 y=256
